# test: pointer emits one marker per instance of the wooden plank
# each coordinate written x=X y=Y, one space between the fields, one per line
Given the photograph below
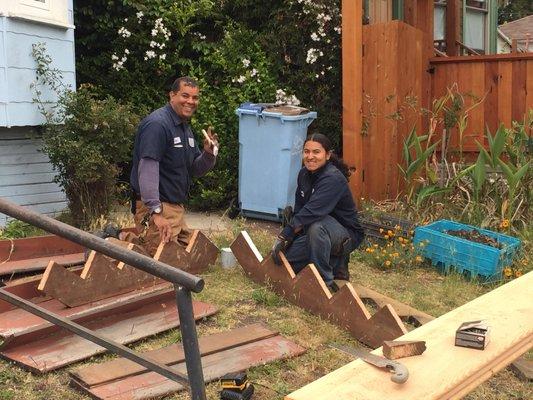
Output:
x=151 y=385
x=352 y=85
x=482 y=58
x=37 y=188
x=444 y=371
x=98 y=374
x=38 y=246
x=52 y=351
x=404 y=311
x=518 y=106
x=200 y=253
x=13 y=159
x=307 y=290
x=399 y=349
x=37 y=264
x=505 y=93
x=19 y=326
x=529 y=87
x=491 y=101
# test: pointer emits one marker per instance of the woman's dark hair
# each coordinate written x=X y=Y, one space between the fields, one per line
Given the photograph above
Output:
x=334 y=158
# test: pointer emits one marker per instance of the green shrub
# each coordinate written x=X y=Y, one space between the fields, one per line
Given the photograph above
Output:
x=94 y=138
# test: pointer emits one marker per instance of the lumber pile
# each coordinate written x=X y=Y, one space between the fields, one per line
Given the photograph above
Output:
x=444 y=371
x=222 y=353
x=307 y=290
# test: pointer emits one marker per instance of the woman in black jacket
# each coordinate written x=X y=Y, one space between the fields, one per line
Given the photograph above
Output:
x=324 y=229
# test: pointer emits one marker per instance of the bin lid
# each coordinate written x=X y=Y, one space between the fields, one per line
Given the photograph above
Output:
x=284 y=112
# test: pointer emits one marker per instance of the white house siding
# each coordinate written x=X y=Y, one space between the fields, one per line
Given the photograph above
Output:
x=26 y=176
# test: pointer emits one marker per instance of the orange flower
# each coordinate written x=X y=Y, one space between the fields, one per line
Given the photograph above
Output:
x=518 y=273
x=388 y=263
x=504 y=223
x=508 y=272
x=418 y=259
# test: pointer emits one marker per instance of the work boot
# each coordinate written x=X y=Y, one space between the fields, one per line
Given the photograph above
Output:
x=342 y=273
x=333 y=287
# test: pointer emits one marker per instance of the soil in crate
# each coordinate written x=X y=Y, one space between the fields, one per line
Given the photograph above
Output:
x=475 y=236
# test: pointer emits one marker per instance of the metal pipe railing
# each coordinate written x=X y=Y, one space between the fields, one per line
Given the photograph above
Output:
x=183 y=283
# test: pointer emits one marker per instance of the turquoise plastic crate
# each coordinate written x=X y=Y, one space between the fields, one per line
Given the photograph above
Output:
x=472 y=259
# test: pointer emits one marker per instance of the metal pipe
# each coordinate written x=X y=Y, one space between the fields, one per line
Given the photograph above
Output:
x=142 y=262
x=85 y=333
x=189 y=341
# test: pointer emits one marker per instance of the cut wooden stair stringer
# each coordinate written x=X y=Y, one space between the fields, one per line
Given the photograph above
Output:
x=103 y=276
x=194 y=259
x=307 y=290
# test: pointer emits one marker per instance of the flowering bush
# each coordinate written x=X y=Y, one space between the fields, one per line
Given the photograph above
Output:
x=283 y=51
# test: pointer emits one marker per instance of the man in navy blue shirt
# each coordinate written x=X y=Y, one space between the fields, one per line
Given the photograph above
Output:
x=165 y=158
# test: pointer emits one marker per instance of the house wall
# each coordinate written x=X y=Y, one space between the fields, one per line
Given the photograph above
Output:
x=26 y=176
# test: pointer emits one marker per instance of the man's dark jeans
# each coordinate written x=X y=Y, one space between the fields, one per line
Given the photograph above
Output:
x=326 y=244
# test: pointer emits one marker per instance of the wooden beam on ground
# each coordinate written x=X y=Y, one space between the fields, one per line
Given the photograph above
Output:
x=33 y=254
x=444 y=371
x=120 y=368
x=40 y=346
x=307 y=290
x=404 y=311
x=399 y=349
x=352 y=91
x=240 y=349
x=195 y=258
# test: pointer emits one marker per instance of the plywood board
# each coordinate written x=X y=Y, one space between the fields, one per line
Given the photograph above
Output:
x=444 y=371
x=307 y=290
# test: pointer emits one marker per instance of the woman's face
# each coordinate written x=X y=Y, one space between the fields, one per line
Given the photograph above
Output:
x=314 y=155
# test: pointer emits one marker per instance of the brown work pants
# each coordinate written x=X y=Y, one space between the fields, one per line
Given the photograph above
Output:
x=149 y=238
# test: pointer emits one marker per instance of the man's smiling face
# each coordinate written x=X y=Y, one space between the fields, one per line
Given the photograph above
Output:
x=185 y=100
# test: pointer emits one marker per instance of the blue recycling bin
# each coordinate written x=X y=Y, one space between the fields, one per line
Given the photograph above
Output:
x=270 y=157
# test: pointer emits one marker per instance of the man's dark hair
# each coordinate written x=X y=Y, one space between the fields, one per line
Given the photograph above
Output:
x=186 y=80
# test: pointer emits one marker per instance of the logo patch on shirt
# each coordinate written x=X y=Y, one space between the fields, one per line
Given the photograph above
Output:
x=177 y=140
x=302 y=193
x=191 y=142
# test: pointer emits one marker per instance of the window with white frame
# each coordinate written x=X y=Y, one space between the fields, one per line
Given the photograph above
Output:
x=54 y=12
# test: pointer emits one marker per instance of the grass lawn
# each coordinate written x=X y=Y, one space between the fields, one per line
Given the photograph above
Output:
x=242 y=302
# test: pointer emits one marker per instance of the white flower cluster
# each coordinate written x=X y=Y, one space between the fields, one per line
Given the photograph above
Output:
x=312 y=55
x=140 y=16
x=158 y=45
x=249 y=74
x=283 y=98
x=149 y=54
x=118 y=63
x=124 y=32
x=200 y=36
x=159 y=27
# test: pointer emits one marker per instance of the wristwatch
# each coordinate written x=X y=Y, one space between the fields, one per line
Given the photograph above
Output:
x=156 y=210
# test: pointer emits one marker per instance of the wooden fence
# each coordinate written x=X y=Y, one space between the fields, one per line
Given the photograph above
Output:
x=502 y=84
x=400 y=79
